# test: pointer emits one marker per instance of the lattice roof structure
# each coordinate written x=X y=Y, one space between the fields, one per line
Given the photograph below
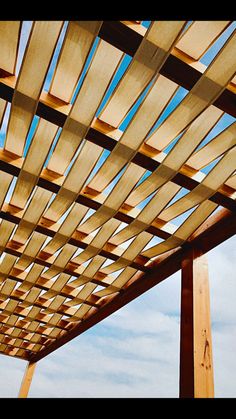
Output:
x=97 y=161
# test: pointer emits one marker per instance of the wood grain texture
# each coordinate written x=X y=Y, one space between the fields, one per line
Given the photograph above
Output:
x=26 y=382
x=9 y=36
x=136 y=132
x=29 y=83
x=150 y=56
x=196 y=361
x=78 y=41
x=199 y=37
x=104 y=63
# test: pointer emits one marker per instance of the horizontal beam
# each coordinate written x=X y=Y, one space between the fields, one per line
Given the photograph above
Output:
x=214 y=231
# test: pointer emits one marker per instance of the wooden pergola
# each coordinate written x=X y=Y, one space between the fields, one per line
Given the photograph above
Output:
x=87 y=207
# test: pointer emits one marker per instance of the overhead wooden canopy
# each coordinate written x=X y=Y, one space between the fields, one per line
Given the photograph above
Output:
x=87 y=209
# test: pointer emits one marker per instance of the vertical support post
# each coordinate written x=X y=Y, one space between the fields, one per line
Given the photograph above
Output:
x=196 y=367
x=25 y=385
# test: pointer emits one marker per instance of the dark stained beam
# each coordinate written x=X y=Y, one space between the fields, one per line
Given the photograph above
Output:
x=117 y=34
x=214 y=231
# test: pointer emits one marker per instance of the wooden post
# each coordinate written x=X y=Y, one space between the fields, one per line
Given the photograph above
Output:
x=196 y=368
x=25 y=385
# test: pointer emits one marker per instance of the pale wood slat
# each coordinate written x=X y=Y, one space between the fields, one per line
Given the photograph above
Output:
x=147 y=61
x=31 y=250
x=30 y=82
x=6 y=266
x=3 y=105
x=96 y=81
x=231 y=182
x=5 y=181
x=66 y=229
x=86 y=291
x=119 y=282
x=131 y=139
x=148 y=214
x=33 y=163
x=33 y=213
x=74 y=181
x=211 y=183
x=199 y=37
x=137 y=245
x=78 y=41
x=176 y=158
x=203 y=94
x=197 y=217
x=60 y=261
x=102 y=236
x=114 y=200
x=6 y=288
x=215 y=148
x=9 y=41
x=234 y=80
x=31 y=278
x=57 y=286
x=6 y=229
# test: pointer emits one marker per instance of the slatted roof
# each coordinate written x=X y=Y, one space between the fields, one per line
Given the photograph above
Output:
x=108 y=168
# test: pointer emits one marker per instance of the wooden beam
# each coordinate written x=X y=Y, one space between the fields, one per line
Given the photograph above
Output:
x=116 y=33
x=196 y=363
x=26 y=382
x=214 y=231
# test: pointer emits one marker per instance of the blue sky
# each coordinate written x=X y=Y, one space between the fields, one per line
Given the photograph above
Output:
x=136 y=351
